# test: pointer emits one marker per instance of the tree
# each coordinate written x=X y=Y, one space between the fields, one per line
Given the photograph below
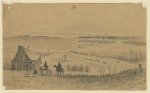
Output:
x=81 y=68
x=68 y=67
x=86 y=69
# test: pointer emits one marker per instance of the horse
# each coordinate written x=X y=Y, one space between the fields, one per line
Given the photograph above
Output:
x=36 y=67
x=44 y=71
x=59 y=70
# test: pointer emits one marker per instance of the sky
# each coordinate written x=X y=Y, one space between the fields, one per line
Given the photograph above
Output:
x=85 y=19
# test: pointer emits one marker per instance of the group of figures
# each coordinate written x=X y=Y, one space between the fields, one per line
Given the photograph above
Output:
x=45 y=70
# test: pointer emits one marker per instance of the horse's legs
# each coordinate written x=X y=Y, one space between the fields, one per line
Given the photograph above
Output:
x=46 y=72
x=57 y=73
x=42 y=72
x=49 y=72
x=60 y=73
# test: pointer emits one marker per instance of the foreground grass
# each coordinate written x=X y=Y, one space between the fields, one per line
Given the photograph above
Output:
x=17 y=80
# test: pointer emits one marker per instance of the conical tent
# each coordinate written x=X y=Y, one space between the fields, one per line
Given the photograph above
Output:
x=39 y=60
x=21 y=59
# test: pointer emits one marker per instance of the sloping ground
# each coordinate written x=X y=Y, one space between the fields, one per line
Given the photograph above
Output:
x=96 y=65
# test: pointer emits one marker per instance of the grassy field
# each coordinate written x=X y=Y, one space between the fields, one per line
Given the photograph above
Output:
x=17 y=80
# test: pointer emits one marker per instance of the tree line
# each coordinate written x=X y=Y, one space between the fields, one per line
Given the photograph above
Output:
x=76 y=67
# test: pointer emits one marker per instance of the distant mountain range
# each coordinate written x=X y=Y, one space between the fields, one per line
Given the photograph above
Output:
x=48 y=37
x=29 y=36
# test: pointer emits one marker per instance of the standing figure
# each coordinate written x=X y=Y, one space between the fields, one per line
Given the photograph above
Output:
x=46 y=66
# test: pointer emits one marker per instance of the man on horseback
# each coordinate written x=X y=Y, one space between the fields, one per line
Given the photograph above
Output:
x=59 y=69
x=59 y=66
x=45 y=69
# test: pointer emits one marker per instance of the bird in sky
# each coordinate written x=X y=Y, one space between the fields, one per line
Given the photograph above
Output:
x=74 y=7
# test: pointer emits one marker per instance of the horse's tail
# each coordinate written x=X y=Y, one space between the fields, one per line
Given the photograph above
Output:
x=62 y=70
